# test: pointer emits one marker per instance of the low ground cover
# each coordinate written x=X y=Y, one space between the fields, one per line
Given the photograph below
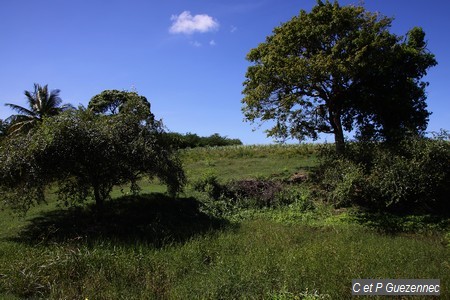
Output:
x=157 y=247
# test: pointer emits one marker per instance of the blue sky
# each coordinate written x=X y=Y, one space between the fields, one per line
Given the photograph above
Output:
x=186 y=56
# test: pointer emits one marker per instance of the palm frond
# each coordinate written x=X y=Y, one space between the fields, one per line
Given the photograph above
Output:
x=20 y=124
x=41 y=103
x=31 y=98
x=52 y=103
x=20 y=109
x=67 y=106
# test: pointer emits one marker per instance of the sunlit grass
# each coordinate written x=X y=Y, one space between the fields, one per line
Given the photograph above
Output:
x=250 y=151
x=238 y=162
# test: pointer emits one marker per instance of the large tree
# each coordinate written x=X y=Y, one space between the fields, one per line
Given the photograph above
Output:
x=84 y=155
x=111 y=102
x=41 y=103
x=335 y=69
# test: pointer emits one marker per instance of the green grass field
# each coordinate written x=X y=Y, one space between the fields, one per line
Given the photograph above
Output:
x=238 y=162
x=156 y=247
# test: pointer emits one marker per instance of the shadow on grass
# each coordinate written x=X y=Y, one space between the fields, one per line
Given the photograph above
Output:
x=154 y=219
x=393 y=224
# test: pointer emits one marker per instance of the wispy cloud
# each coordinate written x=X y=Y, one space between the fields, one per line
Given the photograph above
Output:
x=196 y=44
x=212 y=43
x=186 y=23
x=233 y=28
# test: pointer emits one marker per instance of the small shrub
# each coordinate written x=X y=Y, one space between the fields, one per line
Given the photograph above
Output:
x=209 y=184
x=343 y=182
x=255 y=193
x=224 y=199
x=214 y=201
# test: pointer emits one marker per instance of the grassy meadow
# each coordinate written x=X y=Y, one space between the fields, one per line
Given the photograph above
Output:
x=152 y=246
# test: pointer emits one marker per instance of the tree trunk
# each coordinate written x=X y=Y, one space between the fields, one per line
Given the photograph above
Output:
x=339 y=141
x=335 y=120
x=99 y=201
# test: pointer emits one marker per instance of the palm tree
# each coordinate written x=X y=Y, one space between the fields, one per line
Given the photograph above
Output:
x=41 y=102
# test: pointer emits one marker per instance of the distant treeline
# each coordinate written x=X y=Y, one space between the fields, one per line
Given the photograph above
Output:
x=192 y=140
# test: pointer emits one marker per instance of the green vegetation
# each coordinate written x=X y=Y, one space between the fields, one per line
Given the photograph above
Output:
x=240 y=162
x=41 y=103
x=192 y=140
x=413 y=176
x=134 y=212
x=259 y=259
x=112 y=102
x=3 y=128
x=85 y=154
x=335 y=69
x=154 y=246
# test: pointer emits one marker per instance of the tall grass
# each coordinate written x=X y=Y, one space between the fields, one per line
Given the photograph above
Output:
x=156 y=247
x=257 y=260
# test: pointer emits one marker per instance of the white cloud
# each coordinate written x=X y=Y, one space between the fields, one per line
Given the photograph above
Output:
x=188 y=24
x=233 y=28
x=196 y=44
x=212 y=43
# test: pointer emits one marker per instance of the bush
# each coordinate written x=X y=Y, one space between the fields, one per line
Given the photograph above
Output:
x=213 y=195
x=257 y=193
x=343 y=182
x=416 y=175
x=226 y=198
x=412 y=176
x=209 y=184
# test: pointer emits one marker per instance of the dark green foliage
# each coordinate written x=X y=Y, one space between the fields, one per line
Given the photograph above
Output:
x=256 y=193
x=85 y=155
x=42 y=103
x=395 y=224
x=342 y=181
x=412 y=176
x=336 y=69
x=210 y=185
x=226 y=198
x=192 y=140
x=3 y=128
x=111 y=102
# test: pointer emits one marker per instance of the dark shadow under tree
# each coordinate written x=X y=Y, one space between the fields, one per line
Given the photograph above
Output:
x=153 y=219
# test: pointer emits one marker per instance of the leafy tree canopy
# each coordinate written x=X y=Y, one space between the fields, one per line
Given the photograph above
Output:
x=85 y=155
x=336 y=69
x=192 y=140
x=111 y=102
